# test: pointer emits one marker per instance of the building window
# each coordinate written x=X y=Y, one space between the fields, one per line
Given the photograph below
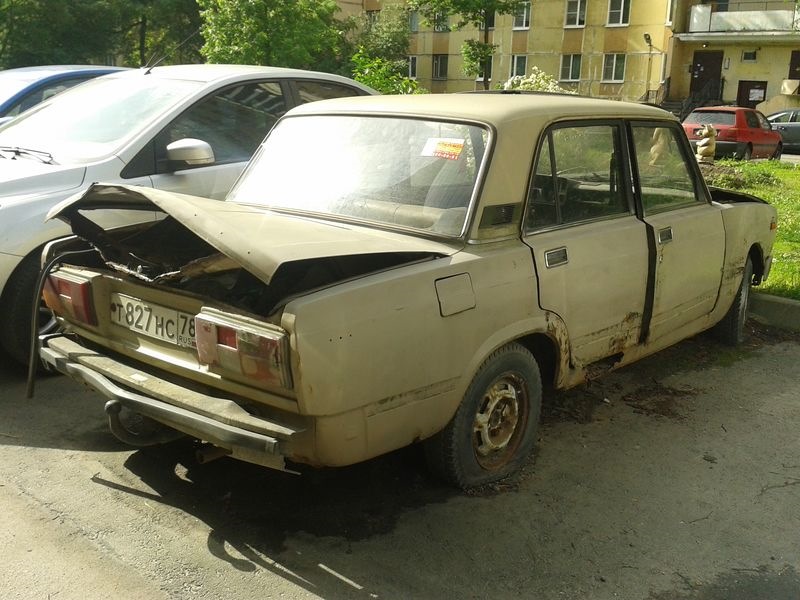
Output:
x=440 y=22
x=571 y=67
x=749 y=55
x=576 y=13
x=481 y=75
x=619 y=12
x=522 y=18
x=439 y=66
x=670 y=11
x=373 y=16
x=614 y=67
x=519 y=65
x=489 y=21
x=412 y=67
x=413 y=21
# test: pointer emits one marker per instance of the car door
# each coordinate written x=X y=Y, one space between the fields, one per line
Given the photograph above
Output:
x=232 y=120
x=589 y=248
x=687 y=238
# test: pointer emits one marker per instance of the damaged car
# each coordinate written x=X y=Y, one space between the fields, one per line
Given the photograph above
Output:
x=393 y=270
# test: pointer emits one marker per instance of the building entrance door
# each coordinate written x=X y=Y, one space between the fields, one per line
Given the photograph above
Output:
x=706 y=75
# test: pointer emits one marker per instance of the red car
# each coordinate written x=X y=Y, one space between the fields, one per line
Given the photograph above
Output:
x=742 y=133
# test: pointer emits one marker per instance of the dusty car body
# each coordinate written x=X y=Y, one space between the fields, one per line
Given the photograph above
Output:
x=395 y=269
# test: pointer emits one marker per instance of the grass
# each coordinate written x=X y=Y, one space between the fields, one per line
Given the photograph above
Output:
x=779 y=184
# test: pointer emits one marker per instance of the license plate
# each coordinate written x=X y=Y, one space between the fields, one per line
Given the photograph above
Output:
x=153 y=320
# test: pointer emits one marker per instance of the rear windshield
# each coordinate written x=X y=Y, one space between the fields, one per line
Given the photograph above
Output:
x=711 y=117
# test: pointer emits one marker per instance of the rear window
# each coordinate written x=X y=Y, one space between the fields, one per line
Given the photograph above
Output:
x=711 y=117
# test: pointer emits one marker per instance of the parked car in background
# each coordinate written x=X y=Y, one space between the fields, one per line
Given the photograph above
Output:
x=25 y=87
x=787 y=123
x=187 y=129
x=403 y=268
x=742 y=133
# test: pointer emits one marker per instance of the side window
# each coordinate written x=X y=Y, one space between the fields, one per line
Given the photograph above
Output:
x=762 y=121
x=751 y=119
x=309 y=91
x=665 y=178
x=233 y=121
x=781 y=118
x=795 y=117
x=578 y=177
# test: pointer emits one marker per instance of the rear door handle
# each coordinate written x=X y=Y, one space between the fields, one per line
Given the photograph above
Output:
x=665 y=235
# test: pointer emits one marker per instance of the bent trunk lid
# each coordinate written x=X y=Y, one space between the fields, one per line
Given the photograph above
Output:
x=258 y=239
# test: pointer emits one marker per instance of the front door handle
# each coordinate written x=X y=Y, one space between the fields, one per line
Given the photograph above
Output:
x=665 y=235
x=556 y=257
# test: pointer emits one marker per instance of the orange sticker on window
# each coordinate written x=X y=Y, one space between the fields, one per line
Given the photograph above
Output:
x=449 y=148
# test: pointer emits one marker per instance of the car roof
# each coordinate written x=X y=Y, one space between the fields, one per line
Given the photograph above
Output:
x=45 y=71
x=721 y=108
x=208 y=73
x=487 y=107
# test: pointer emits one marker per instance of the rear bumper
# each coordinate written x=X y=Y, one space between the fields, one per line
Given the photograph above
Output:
x=224 y=424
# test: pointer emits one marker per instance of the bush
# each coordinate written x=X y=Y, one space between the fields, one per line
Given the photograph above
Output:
x=537 y=81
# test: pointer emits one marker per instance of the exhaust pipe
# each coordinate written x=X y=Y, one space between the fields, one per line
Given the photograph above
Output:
x=153 y=433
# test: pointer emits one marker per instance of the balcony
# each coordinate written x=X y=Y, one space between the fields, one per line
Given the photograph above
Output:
x=746 y=16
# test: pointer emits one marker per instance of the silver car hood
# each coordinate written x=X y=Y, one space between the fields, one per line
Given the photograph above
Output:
x=258 y=239
x=24 y=176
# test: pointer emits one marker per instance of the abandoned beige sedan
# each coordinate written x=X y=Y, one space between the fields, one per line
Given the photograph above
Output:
x=392 y=270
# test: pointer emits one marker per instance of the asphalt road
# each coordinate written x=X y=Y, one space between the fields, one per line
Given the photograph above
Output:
x=675 y=479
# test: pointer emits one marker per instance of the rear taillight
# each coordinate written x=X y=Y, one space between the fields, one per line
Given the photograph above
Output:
x=68 y=295
x=243 y=347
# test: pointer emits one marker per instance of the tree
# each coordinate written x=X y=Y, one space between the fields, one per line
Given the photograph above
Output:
x=386 y=36
x=536 y=81
x=302 y=33
x=478 y=13
x=36 y=32
x=386 y=76
x=161 y=29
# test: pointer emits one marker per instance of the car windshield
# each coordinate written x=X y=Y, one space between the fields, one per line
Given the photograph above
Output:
x=401 y=172
x=93 y=120
x=711 y=117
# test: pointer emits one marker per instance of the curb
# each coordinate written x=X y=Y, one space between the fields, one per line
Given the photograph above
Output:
x=775 y=311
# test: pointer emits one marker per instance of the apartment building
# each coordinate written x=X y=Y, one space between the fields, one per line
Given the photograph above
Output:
x=679 y=51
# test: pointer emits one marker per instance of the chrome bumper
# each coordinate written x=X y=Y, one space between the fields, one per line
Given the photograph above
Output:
x=93 y=369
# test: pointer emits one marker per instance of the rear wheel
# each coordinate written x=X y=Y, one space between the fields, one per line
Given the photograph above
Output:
x=778 y=153
x=731 y=328
x=494 y=429
x=16 y=306
x=745 y=154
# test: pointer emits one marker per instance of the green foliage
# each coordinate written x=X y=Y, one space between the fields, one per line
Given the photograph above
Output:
x=536 y=81
x=469 y=12
x=302 y=33
x=387 y=37
x=476 y=55
x=779 y=184
x=386 y=76
x=35 y=32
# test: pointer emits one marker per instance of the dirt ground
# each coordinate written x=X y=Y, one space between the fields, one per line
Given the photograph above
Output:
x=675 y=479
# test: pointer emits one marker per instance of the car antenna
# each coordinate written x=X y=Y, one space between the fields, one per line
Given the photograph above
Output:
x=149 y=67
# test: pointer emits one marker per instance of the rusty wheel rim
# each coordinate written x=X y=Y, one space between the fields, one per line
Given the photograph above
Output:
x=500 y=418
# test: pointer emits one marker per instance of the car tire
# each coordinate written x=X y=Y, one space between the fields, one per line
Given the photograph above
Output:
x=745 y=154
x=17 y=299
x=730 y=329
x=494 y=429
x=778 y=153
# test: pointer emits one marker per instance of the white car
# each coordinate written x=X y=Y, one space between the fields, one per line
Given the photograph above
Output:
x=188 y=129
